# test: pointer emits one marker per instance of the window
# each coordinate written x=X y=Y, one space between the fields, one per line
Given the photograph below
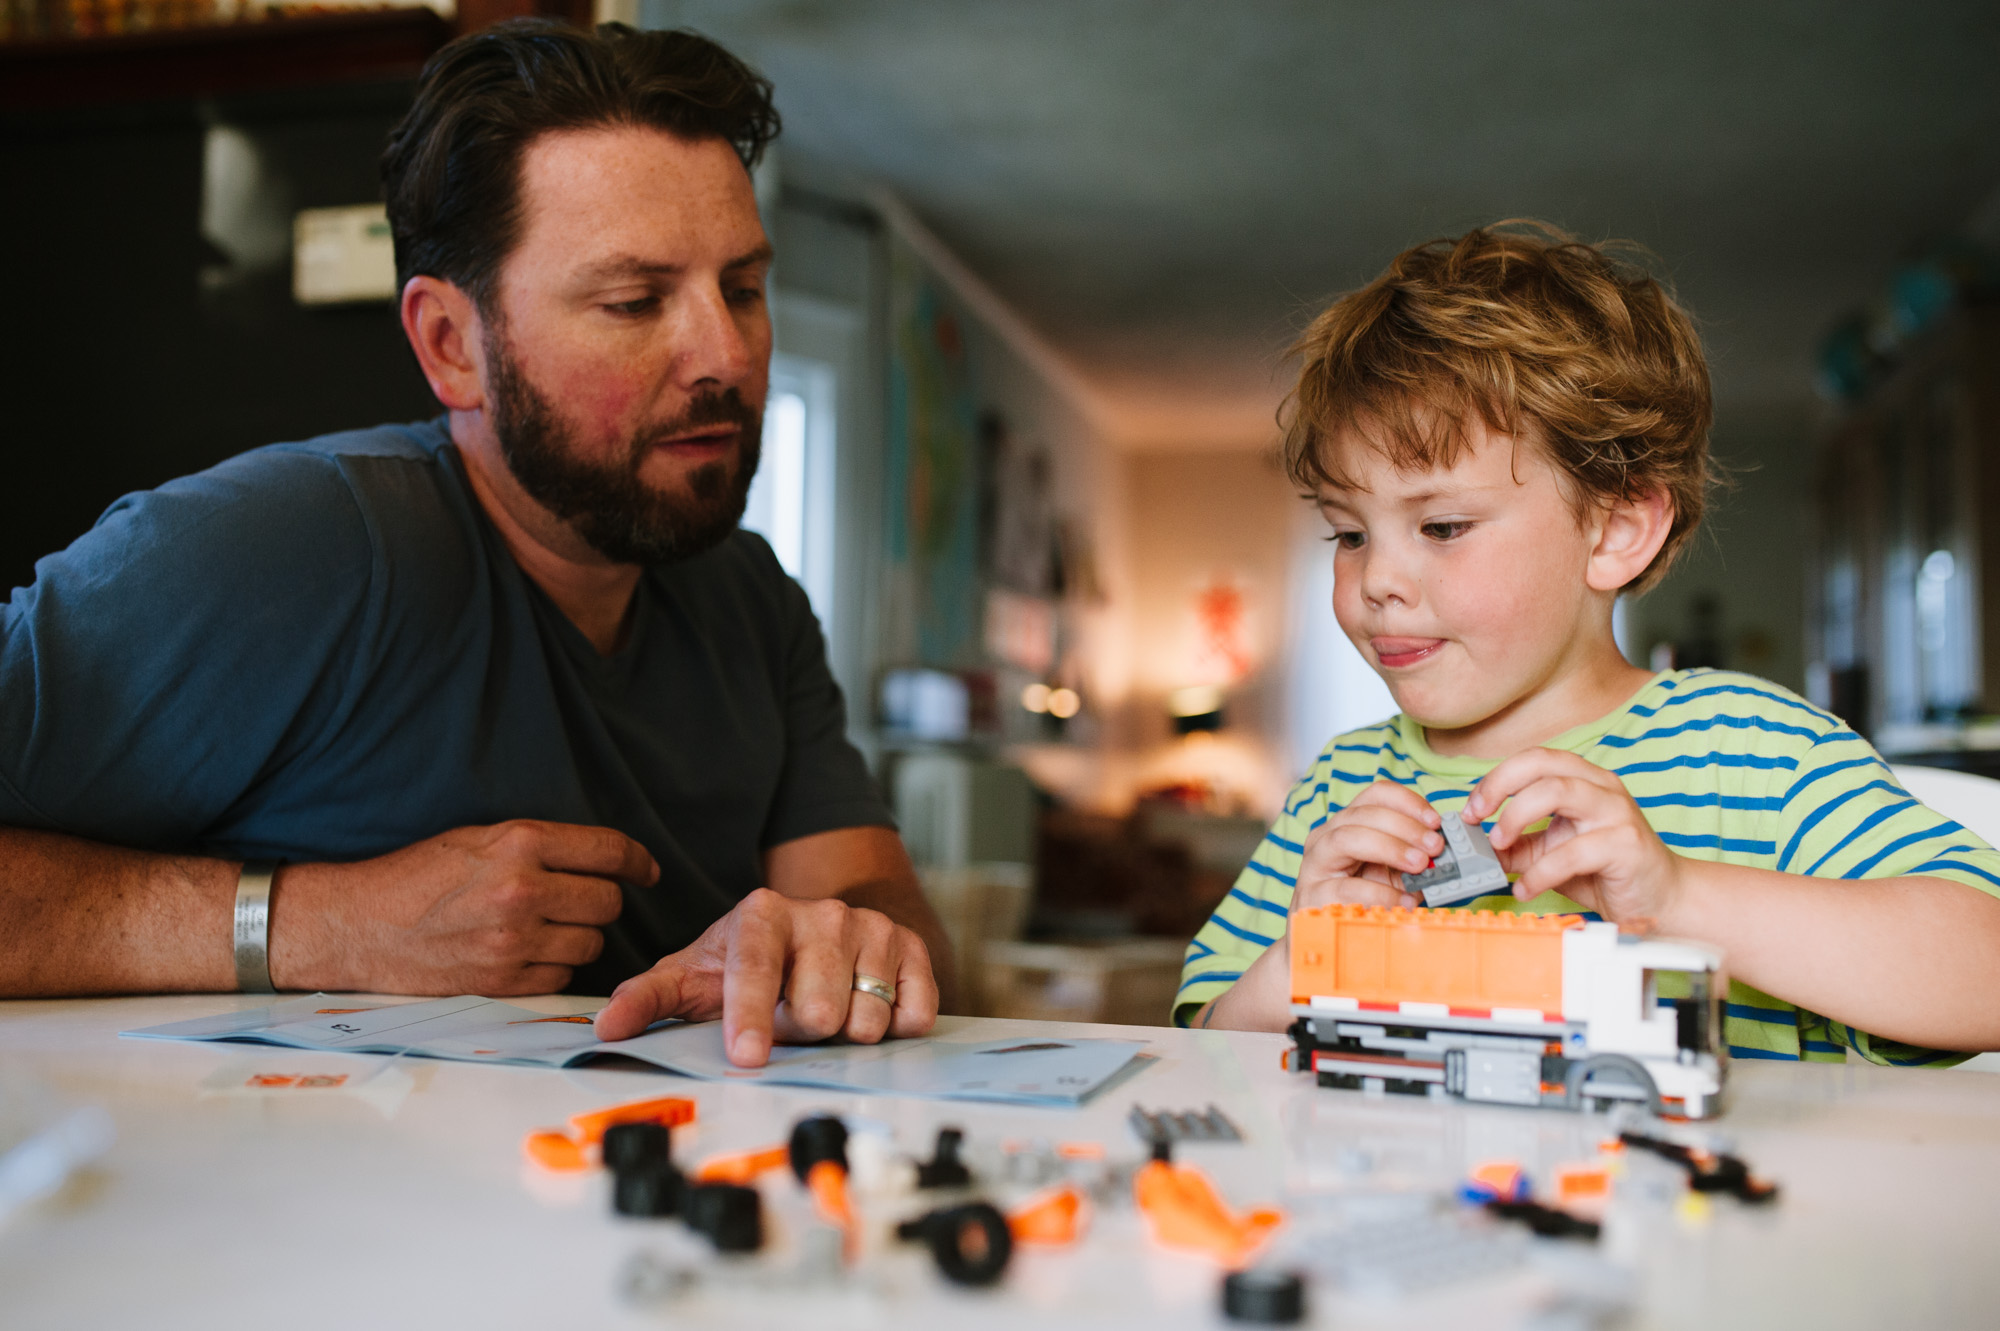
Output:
x=791 y=499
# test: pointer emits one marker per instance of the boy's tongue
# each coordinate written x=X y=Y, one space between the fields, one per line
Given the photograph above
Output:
x=1404 y=651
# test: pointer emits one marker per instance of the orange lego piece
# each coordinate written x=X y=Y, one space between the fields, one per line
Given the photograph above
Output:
x=1582 y=1182
x=556 y=1150
x=668 y=1111
x=1185 y=1211
x=1054 y=1218
x=1496 y=1180
x=743 y=1168
x=1461 y=958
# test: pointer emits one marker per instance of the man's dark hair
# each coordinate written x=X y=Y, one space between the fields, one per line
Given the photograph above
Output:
x=451 y=172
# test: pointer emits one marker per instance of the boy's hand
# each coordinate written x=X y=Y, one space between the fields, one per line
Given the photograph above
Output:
x=1359 y=854
x=1598 y=850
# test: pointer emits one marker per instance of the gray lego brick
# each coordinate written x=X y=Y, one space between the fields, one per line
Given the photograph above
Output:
x=1468 y=868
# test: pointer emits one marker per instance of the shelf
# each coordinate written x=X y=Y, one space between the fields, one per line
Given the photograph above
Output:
x=182 y=63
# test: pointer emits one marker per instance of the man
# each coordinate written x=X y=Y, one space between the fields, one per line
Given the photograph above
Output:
x=508 y=695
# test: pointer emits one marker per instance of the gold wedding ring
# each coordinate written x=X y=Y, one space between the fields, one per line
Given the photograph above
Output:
x=882 y=989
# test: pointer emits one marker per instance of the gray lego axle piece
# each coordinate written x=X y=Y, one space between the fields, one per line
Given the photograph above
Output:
x=1468 y=867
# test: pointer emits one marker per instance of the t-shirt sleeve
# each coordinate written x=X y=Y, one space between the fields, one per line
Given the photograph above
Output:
x=1846 y=816
x=175 y=654
x=1257 y=910
x=825 y=784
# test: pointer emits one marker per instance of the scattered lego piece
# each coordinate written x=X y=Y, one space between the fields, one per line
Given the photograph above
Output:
x=944 y=1169
x=1582 y=1183
x=1495 y=1181
x=1184 y=1211
x=654 y=1190
x=730 y=1215
x=1055 y=1218
x=971 y=1244
x=818 y=1152
x=1397 y=1244
x=1546 y=1221
x=1468 y=866
x=627 y=1146
x=1708 y=1173
x=1210 y=1125
x=1271 y=1298
x=742 y=1167
x=669 y=1111
x=568 y=1152
x=555 y=1150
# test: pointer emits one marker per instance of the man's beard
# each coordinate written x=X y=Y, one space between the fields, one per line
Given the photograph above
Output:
x=609 y=506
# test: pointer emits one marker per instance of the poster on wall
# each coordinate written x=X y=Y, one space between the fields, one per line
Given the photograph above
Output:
x=932 y=607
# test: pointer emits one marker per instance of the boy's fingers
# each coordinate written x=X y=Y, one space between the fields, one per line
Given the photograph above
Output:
x=1572 y=797
x=1390 y=794
x=1522 y=770
x=1579 y=857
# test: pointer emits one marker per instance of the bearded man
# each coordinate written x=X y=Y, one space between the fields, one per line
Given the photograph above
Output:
x=500 y=703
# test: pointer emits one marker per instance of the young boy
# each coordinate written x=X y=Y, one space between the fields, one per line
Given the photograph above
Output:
x=1505 y=432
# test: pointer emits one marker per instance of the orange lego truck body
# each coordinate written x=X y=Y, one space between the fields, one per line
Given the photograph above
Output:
x=1507 y=1008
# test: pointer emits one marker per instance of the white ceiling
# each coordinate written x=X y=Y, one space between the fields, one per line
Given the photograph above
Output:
x=1167 y=188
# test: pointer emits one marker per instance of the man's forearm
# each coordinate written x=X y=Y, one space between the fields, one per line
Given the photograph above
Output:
x=77 y=917
x=1911 y=959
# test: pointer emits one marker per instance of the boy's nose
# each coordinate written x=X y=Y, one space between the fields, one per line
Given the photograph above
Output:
x=1385 y=580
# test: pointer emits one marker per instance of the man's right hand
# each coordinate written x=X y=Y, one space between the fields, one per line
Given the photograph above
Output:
x=507 y=909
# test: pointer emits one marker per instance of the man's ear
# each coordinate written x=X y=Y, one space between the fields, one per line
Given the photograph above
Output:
x=444 y=329
x=1631 y=533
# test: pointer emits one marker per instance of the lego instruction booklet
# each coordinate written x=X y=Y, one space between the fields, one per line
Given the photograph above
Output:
x=1026 y=1071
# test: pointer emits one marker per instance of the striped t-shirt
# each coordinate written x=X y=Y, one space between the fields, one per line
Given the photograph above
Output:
x=1727 y=767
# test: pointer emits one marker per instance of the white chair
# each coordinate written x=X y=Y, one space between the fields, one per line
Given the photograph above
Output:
x=1974 y=802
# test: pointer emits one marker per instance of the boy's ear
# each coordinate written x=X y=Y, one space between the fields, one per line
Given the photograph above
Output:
x=1632 y=532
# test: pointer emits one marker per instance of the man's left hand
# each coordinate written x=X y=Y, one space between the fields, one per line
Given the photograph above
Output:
x=780 y=969
x=1597 y=850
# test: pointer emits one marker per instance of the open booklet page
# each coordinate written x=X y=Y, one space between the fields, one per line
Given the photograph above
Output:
x=1031 y=1070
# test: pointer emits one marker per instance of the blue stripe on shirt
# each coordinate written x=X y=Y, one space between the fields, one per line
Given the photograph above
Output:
x=1954 y=864
x=1694 y=760
x=1707 y=723
x=1710 y=842
x=1269 y=872
x=1283 y=844
x=1830 y=769
x=1258 y=902
x=1738 y=1051
x=1712 y=800
x=1812 y=819
x=1945 y=828
x=1870 y=821
x=1242 y=933
x=1783 y=1016
x=1226 y=977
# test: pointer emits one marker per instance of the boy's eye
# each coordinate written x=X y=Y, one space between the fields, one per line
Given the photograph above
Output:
x=1347 y=540
x=641 y=305
x=1446 y=531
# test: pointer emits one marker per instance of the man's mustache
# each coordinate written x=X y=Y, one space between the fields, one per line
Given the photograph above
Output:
x=723 y=408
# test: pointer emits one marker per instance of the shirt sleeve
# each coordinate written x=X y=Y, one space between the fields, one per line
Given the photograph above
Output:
x=1256 y=911
x=1846 y=816
x=171 y=657
x=825 y=785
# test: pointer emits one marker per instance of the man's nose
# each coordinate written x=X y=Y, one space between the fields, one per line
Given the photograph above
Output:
x=712 y=346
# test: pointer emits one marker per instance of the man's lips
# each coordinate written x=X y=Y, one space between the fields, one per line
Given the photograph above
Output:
x=1393 y=652
x=713 y=440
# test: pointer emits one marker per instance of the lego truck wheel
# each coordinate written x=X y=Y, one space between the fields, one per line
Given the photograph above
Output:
x=1609 y=1077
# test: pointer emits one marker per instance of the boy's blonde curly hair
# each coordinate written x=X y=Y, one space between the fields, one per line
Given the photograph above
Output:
x=1546 y=337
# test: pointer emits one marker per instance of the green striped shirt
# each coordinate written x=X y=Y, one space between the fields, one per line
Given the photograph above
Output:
x=1726 y=767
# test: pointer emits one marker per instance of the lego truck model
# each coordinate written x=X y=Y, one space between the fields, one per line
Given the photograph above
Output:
x=1511 y=1009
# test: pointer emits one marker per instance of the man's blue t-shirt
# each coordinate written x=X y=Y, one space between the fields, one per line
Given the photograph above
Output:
x=323 y=652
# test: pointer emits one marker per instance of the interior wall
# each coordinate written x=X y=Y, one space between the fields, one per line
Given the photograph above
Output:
x=1194 y=522
x=1749 y=556
x=134 y=349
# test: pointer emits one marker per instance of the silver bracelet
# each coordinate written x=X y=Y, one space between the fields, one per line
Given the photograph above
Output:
x=253 y=927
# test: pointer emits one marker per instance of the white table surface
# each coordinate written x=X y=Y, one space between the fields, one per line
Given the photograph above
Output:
x=414 y=1206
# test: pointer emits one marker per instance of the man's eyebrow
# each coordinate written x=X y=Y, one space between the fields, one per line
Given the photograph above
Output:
x=626 y=265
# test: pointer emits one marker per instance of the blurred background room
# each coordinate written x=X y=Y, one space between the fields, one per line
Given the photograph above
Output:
x=1039 y=264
